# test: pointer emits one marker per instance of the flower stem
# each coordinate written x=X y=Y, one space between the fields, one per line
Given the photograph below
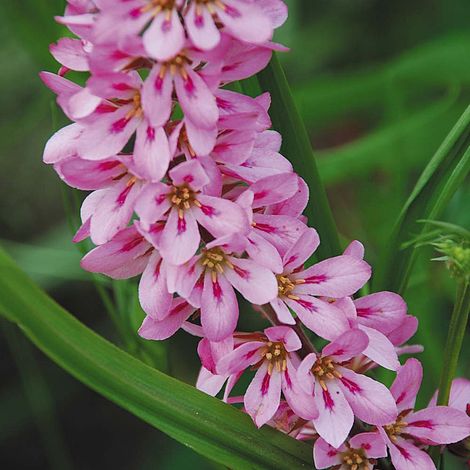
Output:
x=458 y=325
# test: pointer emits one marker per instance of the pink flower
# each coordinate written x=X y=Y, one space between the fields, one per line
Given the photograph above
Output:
x=273 y=355
x=459 y=395
x=432 y=426
x=298 y=287
x=358 y=453
x=209 y=278
x=339 y=393
x=181 y=206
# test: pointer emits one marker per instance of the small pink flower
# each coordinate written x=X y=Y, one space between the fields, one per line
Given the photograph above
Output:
x=181 y=206
x=333 y=278
x=209 y=278
x=339 y=393
x=431 y=426
x=272 y=353
x=459 y=395
x=359 y=452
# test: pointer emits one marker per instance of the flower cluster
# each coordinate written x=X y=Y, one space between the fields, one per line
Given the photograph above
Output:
x=189 y=191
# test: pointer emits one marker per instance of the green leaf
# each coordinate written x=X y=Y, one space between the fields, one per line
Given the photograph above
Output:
x=205 y=424
x=297 y=148
x=436 y=185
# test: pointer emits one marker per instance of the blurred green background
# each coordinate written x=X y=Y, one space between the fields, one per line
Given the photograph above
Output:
x=379 y=84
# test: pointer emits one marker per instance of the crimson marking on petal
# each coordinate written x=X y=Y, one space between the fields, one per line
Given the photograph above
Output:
x=208 y=210
x=468 y=409
x=265 y=384
x=404 y=452
x=231 y=11
x=250 y=354
x=338 y=352
x=158 y=84
x=307 y=305
x=104 y=108
x=265 y=228
x=217 y=291
x=241 y=272
x=422 y=424
x=292 y=259
x=150 y=133
x=181 y=225
x=401 y=397
x=188 y=179
x=160 y=198
x=260 y=195
x=351 y=386
x=156 y=273
x=366 y=446
x=156 y=228
x=332 y=453
x=329 y=403
x=199 y=21
x=118 y=55
x=166 y=26
x=288 y=379
x=121 y=86
x=135 y=13
x=178 y=308
x=121 y=199
x=105 y=166
x=132 y=244
x=189 y=85
x=316 y=279
x=366 y=312
x=224 y=104
x=200 y=283
x=119 y=126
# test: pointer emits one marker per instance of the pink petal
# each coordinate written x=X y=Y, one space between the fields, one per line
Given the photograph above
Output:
x=187 y=276
x=296 y=204
x=383 y=311
x=156 y=96
x=256 y=283
x=325 y=455
x=196 y=100
x=335 y=417
x=202 y=140
x=164 y=38
x=201 y=28
x=274 y=189
x=355 y=249
x=153 y=293
x=303 y=248
x=234 y=147
x=262 y=252
x=163 y=329
x=220 y=216
x=63 y=144
x=210 y=383
x=189 y=173
x=263 y=395
x=89 y=175
x=323 y=318
x=370 y=400
x=380 y=349
x=336 y=277
x=438 y=424
x=180 y=238
x=405 y=331
x=246 y=22
x=282 y=312
x=240 y=358
x=285 y=335
x=219 y=308
x=82 y=104
x=152 y=203
x=300 y=402
x=407 y=383
x=151 y=152
x=304 y=376
x=406 y=456
x=70 y=53
x=123 y=257
x=345 y=347
x=372 y=443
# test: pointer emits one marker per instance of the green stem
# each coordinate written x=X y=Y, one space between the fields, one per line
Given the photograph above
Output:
x=458 y=325
x=297 y=148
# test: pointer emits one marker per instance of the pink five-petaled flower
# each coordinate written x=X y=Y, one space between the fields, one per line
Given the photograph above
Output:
x=208 y=281
x=339 y=393
x=185 y=207
x=359 y=453
x=431 y=426
x=335 y=278
x=273 y=353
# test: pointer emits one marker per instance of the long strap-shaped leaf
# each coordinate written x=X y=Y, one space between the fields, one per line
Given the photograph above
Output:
x=210 y=427
x=436 y=185
x=297 y=148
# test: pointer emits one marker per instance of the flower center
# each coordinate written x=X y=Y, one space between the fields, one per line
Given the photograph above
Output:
x=276 y=355
x=214 y=260
x=285 y=286
x=156 y=6
x=177 y=65
x=395 y=429
x=136 y=110
x=325 y=369
x=355 y=459
x=183 y=197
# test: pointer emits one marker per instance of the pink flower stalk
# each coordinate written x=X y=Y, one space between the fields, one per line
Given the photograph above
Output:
x=340 y=393
x=273 y=355
x=412 y=430
x=358 y=453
